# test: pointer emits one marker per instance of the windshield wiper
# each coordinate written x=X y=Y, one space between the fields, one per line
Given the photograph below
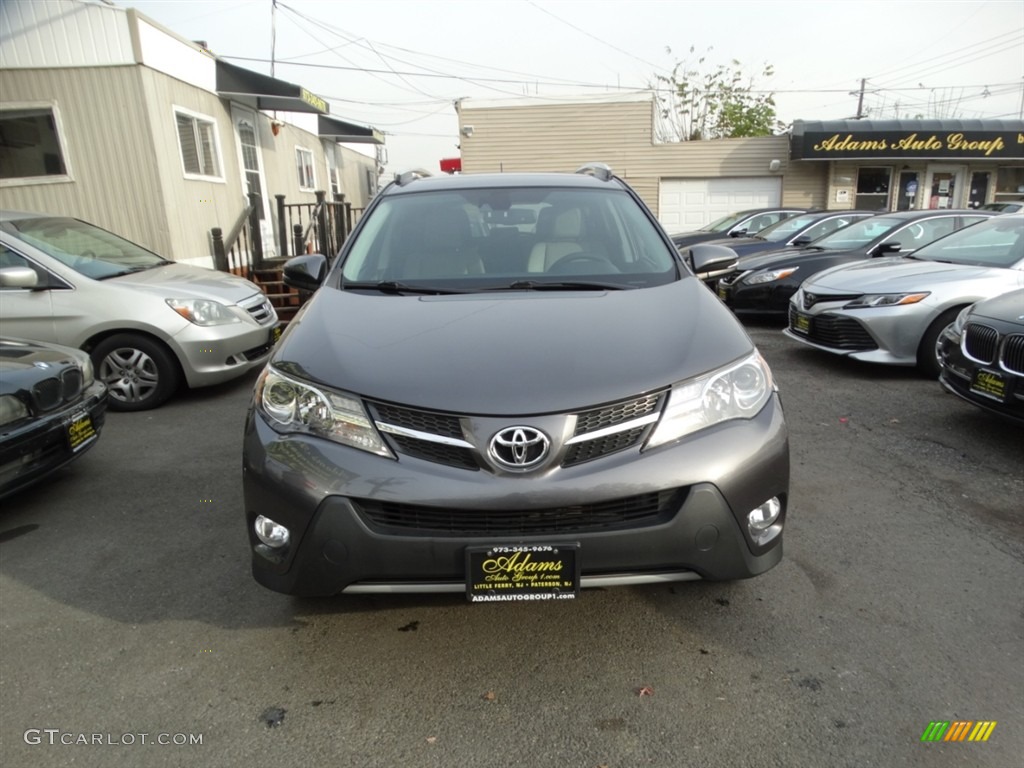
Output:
x=397 y=288
x=133 y=270
x=540 y=285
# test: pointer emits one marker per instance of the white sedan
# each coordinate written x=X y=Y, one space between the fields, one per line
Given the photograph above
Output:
x=894 y=311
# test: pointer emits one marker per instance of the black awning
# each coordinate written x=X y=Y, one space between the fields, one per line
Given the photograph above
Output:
x=269 y=92
x=339 y=130
x=923 y=139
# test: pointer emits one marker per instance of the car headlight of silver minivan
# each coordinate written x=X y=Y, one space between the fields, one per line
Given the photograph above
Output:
x=203 y=311
x=737 y=391
x=295 y=406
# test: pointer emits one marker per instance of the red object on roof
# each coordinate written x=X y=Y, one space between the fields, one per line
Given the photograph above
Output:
x=451 y=165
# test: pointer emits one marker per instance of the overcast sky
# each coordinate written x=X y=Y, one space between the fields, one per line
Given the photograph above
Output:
x=399 y=64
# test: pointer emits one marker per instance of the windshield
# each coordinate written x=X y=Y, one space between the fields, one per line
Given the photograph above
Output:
x=782 y=230
x=724 y=223
x=859 y=233
x=88 y=250
x=508 y=238
x=995 y=242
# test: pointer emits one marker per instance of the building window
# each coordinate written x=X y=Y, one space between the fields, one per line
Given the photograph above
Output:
x=304 y=161
x=1010 y=183
x=197 y=137
x=31 y=148
x=873 y=189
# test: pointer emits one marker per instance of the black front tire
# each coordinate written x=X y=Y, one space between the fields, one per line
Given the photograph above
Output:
x=140 y=372
x=928 y=350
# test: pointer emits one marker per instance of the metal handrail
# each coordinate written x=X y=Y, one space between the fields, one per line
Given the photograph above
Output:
x=236 y=230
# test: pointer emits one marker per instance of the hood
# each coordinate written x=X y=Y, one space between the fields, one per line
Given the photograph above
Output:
x=185 y=281
x=24 y=363
x=895 y=275
x=511 y=353
x=780 y=257
x=1009 y=307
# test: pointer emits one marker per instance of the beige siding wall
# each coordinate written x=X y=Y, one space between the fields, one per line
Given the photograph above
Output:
x=102 y=142
x=805 y=184
x=562 y=137
x=192 y=207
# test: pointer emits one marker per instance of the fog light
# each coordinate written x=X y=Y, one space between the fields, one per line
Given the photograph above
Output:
x=761 y=521
x=270 y=533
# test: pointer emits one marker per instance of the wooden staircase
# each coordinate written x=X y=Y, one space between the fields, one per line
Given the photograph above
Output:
x=286 y=300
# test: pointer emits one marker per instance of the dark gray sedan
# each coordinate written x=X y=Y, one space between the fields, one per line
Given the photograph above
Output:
x=447 y=415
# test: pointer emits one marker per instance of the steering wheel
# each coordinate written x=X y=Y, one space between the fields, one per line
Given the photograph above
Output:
x=575 y=263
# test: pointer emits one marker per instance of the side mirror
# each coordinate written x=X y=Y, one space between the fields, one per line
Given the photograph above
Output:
x=18 y=277
x=709 y=261
x=306 y=273
x=738 y=232
x=886 y=248
x=802 y=241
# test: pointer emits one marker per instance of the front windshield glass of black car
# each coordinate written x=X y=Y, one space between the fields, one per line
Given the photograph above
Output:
x=491 y=238
x=859 y=233
x=88 y=250
x=782 y=230
x=724 y=223
x=995 y=242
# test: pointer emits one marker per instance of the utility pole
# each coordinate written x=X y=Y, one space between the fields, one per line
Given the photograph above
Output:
x=860 y=99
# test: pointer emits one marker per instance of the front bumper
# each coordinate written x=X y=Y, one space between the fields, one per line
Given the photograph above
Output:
x=1003 y=392
x=326 y=493
x=765 y=298
x=215 y=354
x=43 y=445
x=889 y=335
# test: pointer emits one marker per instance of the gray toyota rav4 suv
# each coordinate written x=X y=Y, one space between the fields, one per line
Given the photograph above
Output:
x=512 y=386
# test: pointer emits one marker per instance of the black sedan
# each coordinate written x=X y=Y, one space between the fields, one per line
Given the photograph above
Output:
x=764 y=283
x=796 y=231
x=982 y=355
x=736 y=224
x=51 y=410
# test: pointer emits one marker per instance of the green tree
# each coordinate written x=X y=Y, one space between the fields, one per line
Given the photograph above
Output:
x=701 y=101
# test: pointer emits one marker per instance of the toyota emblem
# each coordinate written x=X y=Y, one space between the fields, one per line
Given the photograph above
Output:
x=519 y=448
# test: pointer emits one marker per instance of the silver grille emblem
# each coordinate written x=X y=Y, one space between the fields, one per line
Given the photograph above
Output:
x=809 y=300
x=519 y=448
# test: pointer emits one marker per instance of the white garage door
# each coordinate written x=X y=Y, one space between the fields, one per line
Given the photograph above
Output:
x=688 y=204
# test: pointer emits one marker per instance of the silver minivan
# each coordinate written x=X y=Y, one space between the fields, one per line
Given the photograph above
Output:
x=148 y=323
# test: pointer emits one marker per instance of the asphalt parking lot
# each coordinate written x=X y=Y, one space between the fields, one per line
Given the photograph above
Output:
x=132 y=633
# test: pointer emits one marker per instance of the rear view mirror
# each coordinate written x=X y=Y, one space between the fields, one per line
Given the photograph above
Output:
x=709 y=260
x=306 y=273
x=802 y=240
x=18 y=277
x=886 y=248
x=738 y=232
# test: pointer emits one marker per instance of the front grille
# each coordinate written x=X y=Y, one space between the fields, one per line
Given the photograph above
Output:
x=836 y=332
x=430 y=422
x=599 y=418
x=46 y=394
x=452 y=455
x=434 y=430
x=71 y=381
x=981 y=343
x=631 y=512
x=1013 y=354
x=602 y=446
x=259 y=308
x=810 y=299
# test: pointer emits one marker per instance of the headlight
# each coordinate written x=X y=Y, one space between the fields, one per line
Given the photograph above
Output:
x=886 y=300
x=11 y=409
x=88 y=375
x=771 y=276
x=203 y=312
x=738 y=391
x=294 y=406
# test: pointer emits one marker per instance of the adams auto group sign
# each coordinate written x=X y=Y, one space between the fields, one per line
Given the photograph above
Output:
x=832 y=145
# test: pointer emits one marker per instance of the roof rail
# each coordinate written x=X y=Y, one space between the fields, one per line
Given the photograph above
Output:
x=597 y=170
x=401 y=179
